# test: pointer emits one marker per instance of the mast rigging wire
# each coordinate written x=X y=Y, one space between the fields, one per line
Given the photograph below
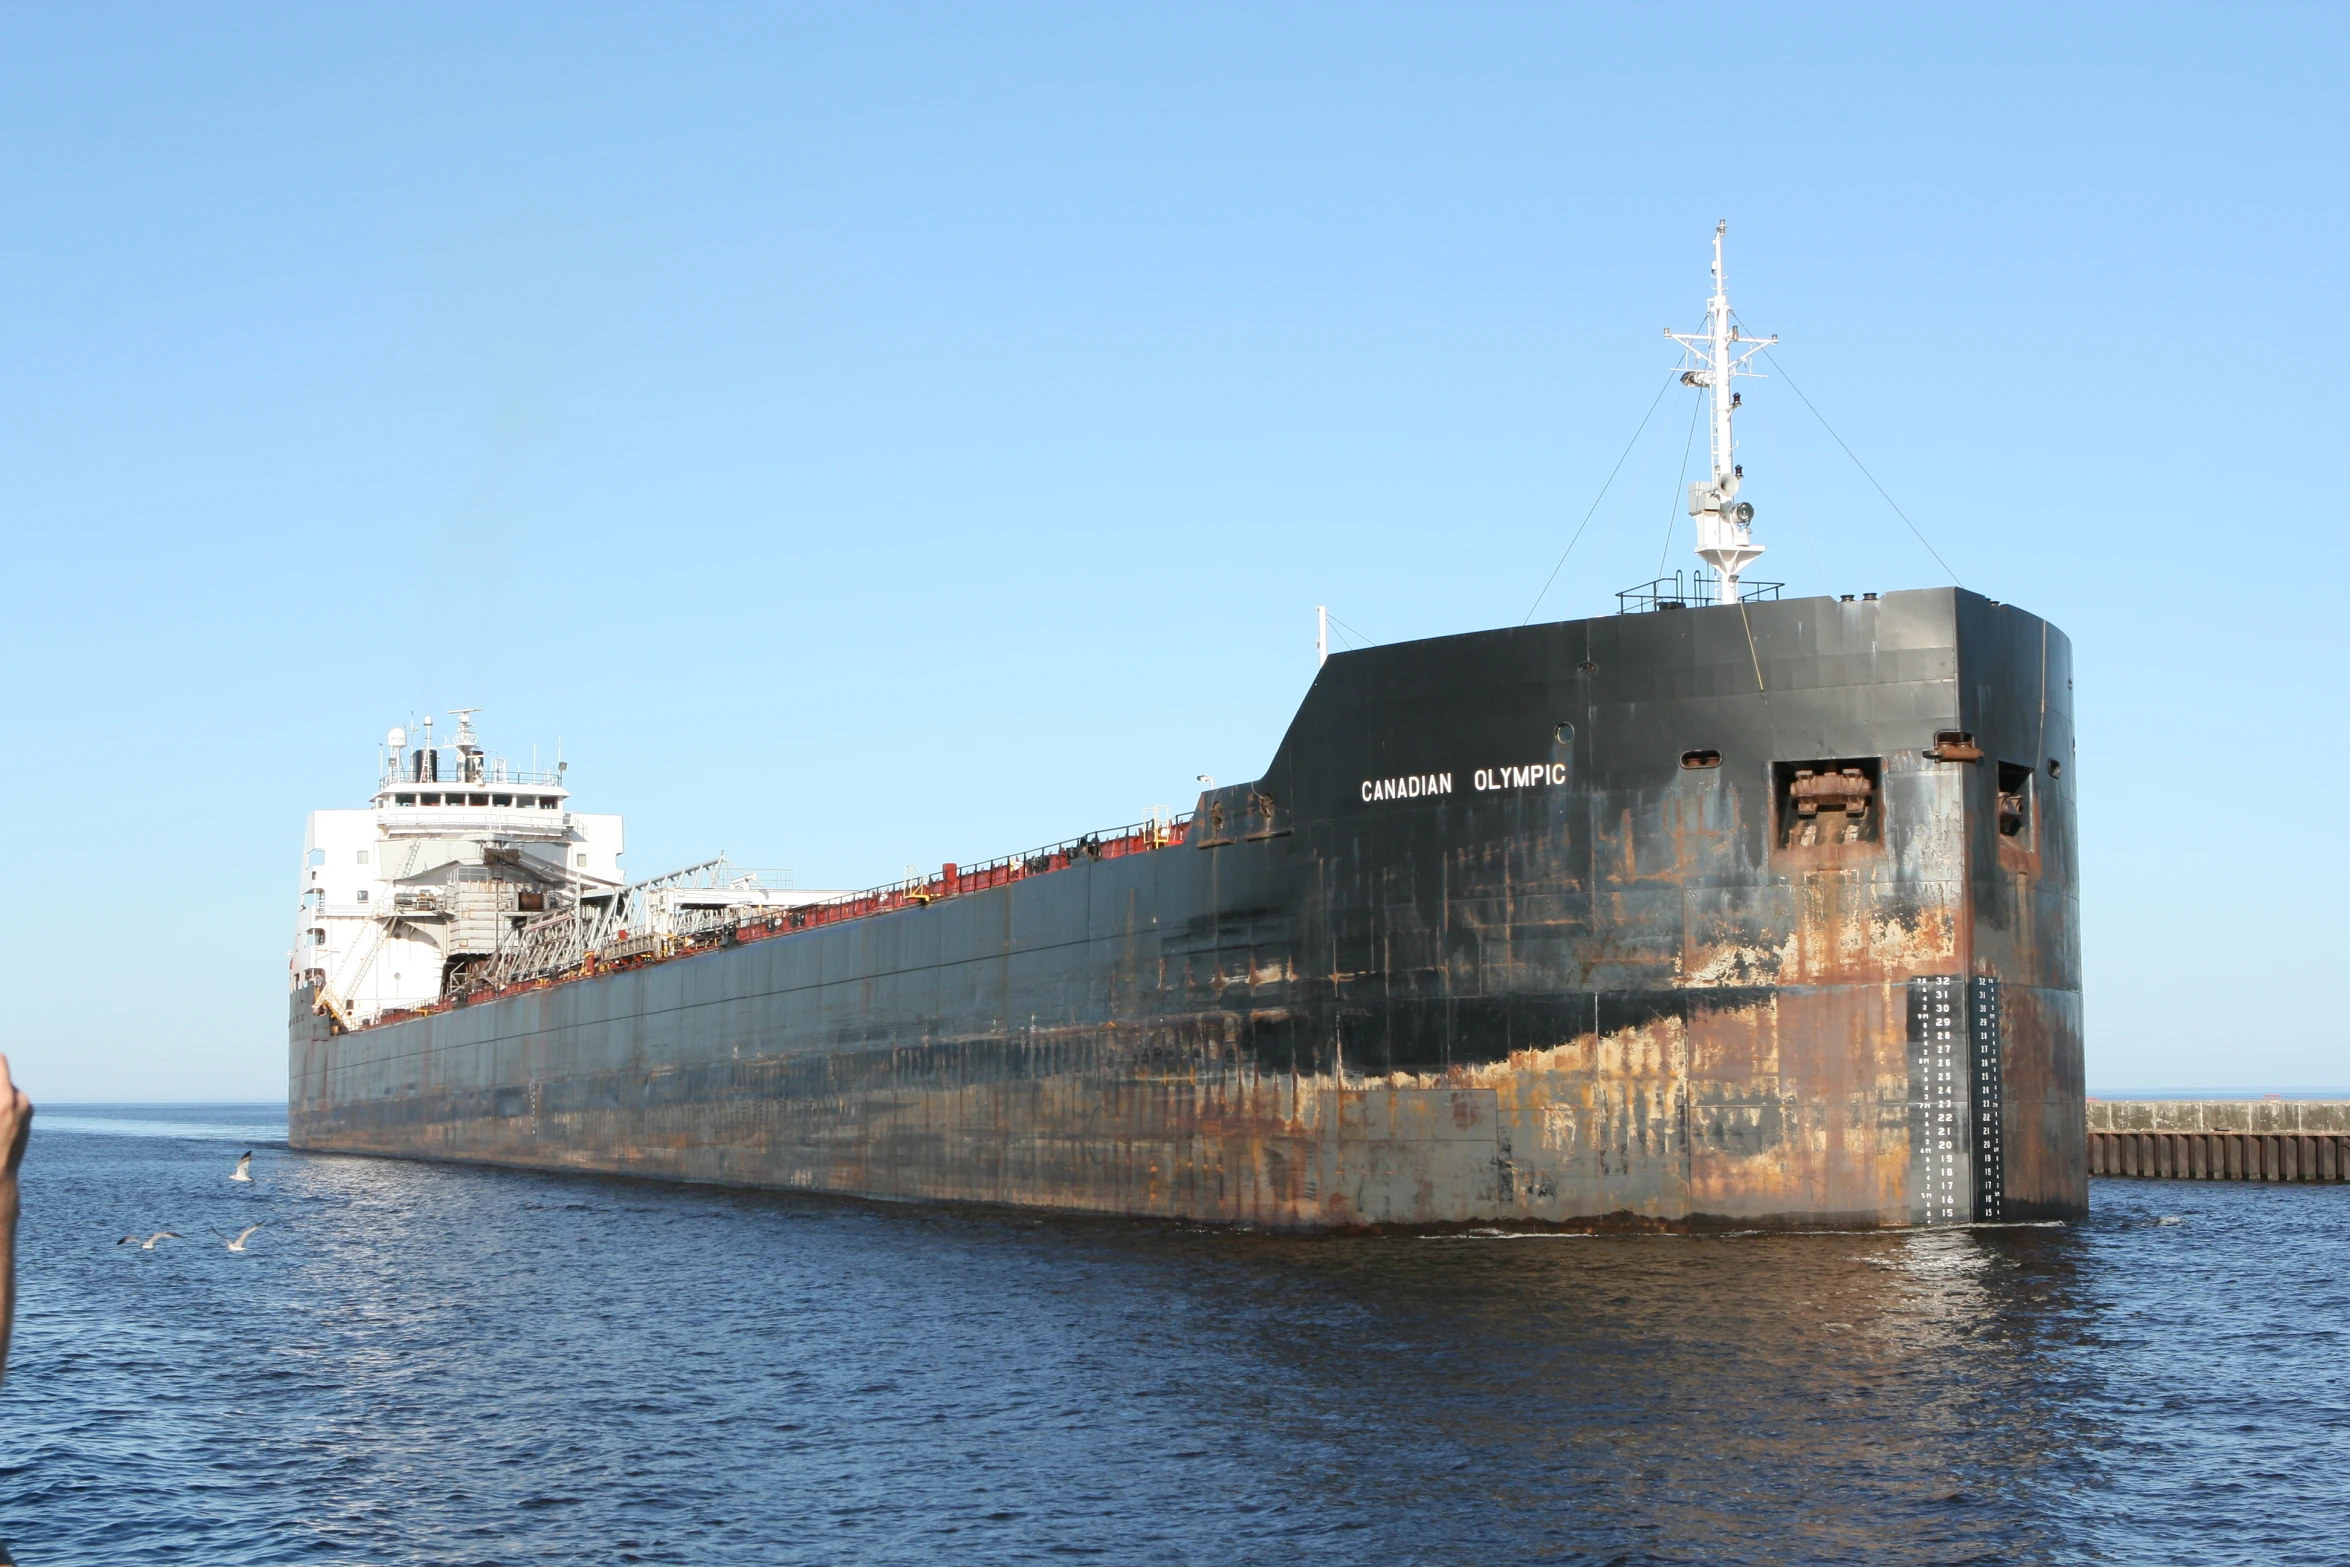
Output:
x=1863 y=467
x=1673 y=501
x=1670 y=378
x=1780 y=470
x=1351 y=633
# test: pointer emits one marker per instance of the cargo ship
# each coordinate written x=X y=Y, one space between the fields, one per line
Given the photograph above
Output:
x=1725 y=910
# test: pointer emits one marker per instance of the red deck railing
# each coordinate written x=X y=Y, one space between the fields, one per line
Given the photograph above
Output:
x=761 y=922
x=954 y=880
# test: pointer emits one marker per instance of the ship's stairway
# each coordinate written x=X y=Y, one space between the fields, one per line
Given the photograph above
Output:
x=349 y=972
x=333 y=1006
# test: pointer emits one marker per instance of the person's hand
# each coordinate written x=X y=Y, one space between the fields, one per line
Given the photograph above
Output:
x=16 y=1122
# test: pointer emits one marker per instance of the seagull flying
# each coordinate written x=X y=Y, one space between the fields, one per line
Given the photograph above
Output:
x=239 y=1243
x=244 y=1167
x=149 y=1243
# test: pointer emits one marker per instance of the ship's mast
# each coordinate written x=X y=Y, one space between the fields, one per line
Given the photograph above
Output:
x=1717 y=357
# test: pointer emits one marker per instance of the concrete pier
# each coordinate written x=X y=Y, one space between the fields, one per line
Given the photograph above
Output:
x=2221 y=1139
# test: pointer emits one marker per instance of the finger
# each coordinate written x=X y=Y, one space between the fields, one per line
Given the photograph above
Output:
x=7 y=1084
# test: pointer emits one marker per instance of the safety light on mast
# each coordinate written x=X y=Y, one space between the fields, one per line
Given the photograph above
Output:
x=1714 y=358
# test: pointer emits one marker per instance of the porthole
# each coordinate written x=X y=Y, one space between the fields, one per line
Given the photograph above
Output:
x=1564 y=734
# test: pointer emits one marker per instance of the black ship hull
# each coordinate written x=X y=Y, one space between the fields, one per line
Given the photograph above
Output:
x=1759 y=915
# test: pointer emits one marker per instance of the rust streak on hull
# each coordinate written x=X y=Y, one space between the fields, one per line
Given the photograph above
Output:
x=1827 y=978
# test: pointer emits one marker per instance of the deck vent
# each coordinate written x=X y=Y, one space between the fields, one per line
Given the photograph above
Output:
x=1695 y=760
x=1829 y=802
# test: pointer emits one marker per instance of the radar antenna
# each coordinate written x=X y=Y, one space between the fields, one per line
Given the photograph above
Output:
x=1713 y=359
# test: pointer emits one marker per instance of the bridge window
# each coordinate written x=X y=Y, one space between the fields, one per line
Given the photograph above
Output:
x=404 y=799
x=317 y=936
x=501 y=799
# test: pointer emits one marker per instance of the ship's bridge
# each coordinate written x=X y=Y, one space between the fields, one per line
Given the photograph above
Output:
x=524 y=805
x=525 y=791
x=463 y=791
x=454 y=852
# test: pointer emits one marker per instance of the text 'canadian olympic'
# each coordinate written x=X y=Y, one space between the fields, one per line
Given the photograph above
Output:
x=1419 y=786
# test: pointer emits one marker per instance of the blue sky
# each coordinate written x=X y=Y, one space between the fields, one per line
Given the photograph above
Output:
x=868 y=436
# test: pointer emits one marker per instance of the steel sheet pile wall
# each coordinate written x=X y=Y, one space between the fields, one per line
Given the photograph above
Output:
x=2221 y=1139
x=1525 y=925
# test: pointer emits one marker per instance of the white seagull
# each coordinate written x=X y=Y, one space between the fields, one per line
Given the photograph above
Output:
x=244 y=1168
x=149 y=1243
x=239 y=1243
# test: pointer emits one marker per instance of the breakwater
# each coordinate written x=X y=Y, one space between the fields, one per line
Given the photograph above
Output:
x=2221 y=1139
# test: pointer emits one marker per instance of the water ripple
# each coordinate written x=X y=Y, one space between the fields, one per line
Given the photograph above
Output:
x=428 y=1364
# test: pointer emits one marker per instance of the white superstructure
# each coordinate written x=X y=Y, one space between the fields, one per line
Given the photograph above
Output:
x=1714 y=358
x=454 y=853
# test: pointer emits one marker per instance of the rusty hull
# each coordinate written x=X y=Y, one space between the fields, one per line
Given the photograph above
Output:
x=1634 y=981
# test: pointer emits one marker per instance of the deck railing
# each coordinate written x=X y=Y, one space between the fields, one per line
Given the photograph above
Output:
x=550 y=951
x=1693 y=590
x=954 y=879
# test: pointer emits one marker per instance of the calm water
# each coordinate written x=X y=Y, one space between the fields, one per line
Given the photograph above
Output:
x=423 y=1364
